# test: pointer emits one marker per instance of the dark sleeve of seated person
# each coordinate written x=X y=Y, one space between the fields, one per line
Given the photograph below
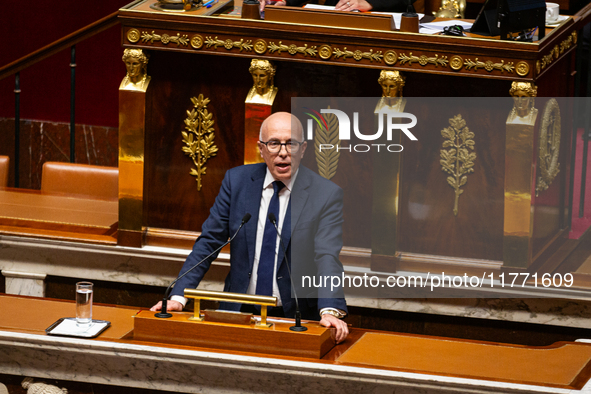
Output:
x=376 y=5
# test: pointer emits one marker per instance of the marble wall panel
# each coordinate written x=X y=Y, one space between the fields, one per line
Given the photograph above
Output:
x=50 y=141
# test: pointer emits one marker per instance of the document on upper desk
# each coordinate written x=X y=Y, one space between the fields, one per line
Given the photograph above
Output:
x=396 y=15
x=437 y=27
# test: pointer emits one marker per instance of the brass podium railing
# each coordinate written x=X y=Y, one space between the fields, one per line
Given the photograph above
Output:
x=263 y=301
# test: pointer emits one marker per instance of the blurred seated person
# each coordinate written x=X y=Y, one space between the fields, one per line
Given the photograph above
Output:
x=349 y=5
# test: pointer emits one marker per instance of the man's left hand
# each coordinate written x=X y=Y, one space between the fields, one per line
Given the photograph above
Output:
x=342 y=330
x=352 y=5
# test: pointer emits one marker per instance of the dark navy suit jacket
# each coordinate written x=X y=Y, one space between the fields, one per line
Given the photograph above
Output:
x=314 y=216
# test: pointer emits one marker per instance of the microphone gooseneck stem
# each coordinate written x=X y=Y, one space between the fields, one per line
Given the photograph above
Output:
x=298 y=315
x=163 y=312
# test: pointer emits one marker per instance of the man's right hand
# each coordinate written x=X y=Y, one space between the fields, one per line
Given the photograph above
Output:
x=171 y=306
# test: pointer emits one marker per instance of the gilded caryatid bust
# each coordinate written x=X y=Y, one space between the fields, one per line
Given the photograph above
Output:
x=392 y=83
x=523 y=94
x=263 y=91
x=136 y=63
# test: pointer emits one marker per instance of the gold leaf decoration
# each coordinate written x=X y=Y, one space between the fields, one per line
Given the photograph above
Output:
x=423 y=60
x=489 y=65
x=327 y=159
x=549 y=146
x=198 y=137
x=293 y=49
x=242 y=45
x=358 y=55
x=457 y=161
x=165 y=38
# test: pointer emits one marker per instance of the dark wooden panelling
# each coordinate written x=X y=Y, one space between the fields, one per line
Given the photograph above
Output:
x=427 y=216
x=171 y=196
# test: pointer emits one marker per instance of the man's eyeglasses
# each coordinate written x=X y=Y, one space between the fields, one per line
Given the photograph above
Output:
x=274 y=146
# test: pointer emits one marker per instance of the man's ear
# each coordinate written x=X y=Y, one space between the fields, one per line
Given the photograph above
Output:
x=303 y=148
x=260 y=149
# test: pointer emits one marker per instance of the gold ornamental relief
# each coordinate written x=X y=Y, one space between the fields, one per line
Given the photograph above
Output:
x=556 y=52
x=133 y=35
x=165 y=38
x=260 y=46
x=489 y=65
x=456 y=62
x=327 y=132
x=197 y=41
x=548 y=146
x=293 y=49
x=358 y=55
x=325 y=52
x=423 y=60
x=390 y=57
x=198 y=137
x=522 y=69
x=242 y=45
x=457 y=161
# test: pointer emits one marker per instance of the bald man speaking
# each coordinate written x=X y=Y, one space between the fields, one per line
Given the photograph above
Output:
x=308 y=212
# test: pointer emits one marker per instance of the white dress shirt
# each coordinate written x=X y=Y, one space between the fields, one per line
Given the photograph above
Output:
x=267 y=194
x=284 y=196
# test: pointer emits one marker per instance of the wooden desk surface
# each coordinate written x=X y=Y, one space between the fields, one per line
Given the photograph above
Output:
x=30 y=212
x=559 y=365
x=33 y=315
x=563 y=365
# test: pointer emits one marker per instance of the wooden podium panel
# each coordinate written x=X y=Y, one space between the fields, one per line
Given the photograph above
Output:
x=278 y=339
x=564 y=365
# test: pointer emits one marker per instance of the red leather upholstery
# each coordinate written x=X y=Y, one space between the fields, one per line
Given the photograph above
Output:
x=81 y=180
x=4 y=168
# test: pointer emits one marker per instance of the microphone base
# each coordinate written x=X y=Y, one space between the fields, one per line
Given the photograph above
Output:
x=298 y=328
x=164 y=315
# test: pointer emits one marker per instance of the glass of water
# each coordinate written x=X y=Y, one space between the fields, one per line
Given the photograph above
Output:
x=83 y=302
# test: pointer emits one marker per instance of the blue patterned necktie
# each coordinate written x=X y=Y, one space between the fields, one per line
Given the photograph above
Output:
x=267 y=257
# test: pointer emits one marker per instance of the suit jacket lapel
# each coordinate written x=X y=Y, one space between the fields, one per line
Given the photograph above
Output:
x=297 y=201
x=253 y=203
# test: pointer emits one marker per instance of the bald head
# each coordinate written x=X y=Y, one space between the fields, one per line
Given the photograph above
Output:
x=283 y=120
x=282 y=127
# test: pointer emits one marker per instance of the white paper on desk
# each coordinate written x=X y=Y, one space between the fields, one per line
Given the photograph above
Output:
x=426 y=30
x=396 y=15
x=439 y=26
x=71 y=328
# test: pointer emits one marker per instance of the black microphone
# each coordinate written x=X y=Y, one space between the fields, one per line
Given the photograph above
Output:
x=163 y=313
x=298 y=315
